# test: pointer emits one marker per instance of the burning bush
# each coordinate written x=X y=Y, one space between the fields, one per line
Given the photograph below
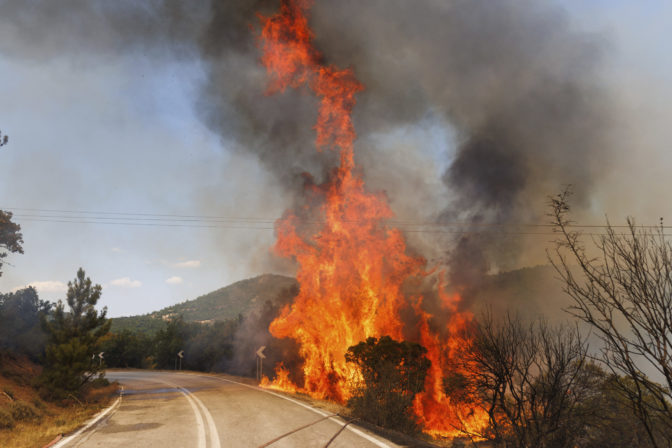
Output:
x=532 y=380
x=392 y=373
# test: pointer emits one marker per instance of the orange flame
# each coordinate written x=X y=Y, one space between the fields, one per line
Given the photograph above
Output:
x=281 y=381
x=352 y=268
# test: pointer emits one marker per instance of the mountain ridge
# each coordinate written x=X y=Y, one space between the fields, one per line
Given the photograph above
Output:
x=228 y=302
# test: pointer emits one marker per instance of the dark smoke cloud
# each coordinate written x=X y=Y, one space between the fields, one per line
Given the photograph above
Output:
x=234 y=103
x=517 y=85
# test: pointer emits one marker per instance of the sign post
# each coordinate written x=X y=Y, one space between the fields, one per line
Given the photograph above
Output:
x=260 y=361
x=100 y=359
x=181 y=355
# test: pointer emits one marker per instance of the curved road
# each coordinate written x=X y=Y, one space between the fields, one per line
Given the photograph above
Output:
x=170 y=409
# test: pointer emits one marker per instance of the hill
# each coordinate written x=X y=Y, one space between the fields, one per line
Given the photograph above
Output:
x=532 y=291
x=228 y=302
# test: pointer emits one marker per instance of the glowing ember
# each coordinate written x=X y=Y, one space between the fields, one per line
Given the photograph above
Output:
x=352 y=268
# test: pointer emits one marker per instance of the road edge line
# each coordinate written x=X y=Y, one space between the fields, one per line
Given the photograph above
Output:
x=359 y=432
x=194 y=406
x=97 y=418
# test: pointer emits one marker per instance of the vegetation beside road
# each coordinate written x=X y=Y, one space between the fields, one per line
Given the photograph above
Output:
x=49 y=381
x=27 y=420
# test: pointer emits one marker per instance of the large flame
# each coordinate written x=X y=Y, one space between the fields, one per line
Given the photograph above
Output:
x=352 y=264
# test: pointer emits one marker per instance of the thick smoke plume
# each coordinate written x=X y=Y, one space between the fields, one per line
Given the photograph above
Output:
x=512 y=84
x=519 y=87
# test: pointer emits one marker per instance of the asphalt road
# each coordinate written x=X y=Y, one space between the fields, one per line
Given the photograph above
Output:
x=170 y=409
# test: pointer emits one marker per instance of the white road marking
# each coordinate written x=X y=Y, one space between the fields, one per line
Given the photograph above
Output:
x=194 y=407
x=64 y=441
x=214 y=435
x=317 y=411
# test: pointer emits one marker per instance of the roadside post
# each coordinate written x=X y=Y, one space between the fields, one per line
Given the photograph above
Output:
x=260 y=361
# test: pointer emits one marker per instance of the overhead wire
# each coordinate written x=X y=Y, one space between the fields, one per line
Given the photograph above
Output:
x=143 y=219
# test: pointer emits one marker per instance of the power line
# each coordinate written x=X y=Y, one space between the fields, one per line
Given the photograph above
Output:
x=149 y=215
x=240 y=227
x=255 y=223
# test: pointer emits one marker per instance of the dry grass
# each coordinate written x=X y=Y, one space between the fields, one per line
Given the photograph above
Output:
x=38 y=422
x=63 y=421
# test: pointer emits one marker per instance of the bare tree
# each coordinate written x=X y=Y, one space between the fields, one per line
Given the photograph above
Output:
x=622 y=287
x=528 y=377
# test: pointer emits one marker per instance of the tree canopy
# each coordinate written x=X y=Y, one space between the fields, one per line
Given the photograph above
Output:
x=73 y=337
x=20 y=330
x=11 y=239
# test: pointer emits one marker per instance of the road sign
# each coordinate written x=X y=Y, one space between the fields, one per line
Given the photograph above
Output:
x=260 y=362
x=260 y=352
x=100 y=355
x=180 y=355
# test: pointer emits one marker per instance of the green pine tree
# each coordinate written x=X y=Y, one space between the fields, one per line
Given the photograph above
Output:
x=73 y=338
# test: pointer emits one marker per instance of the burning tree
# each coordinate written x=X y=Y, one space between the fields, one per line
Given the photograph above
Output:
x=352 y=264
x=622 y=287
x=532 y=381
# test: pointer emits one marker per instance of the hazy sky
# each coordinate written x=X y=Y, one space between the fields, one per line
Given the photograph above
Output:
x=122 y=134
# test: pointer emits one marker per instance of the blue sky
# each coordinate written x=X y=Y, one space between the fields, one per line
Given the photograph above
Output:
x=113 y=138
x=122 y=135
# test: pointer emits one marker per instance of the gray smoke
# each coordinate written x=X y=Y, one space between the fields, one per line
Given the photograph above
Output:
x=520 y=87
x=278 y=129
x=515 y=85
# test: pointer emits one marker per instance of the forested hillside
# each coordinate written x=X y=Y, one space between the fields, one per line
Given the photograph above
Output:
x=226 y=303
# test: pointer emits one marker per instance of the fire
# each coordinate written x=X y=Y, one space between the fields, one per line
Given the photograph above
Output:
x=353 y=265
x=281 y=381
x=438 y=415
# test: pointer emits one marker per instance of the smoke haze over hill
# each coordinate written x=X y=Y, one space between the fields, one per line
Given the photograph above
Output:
x=473 y=111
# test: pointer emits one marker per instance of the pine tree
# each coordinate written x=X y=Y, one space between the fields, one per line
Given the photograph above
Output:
x=73 y=337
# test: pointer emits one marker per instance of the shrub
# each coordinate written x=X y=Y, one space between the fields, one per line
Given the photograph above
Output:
x=393 y=373
x=99 y=382
x=6 y=419
x=24 y=411
x=39 y=404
